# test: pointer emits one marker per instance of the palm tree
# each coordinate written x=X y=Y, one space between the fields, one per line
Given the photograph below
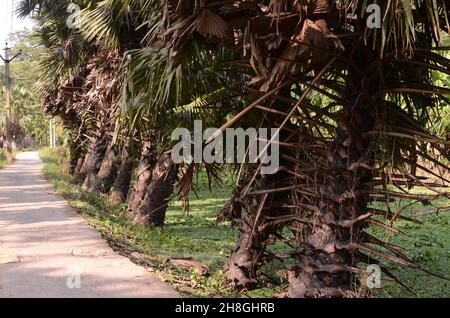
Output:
x=86 y=94
x=351 y=103
x=63 y=73
x=338 y=154
x=90 y=111
x=111 y=22
x=157 y=98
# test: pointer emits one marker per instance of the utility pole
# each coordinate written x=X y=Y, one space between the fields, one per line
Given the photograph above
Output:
x=8 y=120
x=53 y=132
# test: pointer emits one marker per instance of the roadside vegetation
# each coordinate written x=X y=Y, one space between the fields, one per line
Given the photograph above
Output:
x=2 y=158
x=196 y=236
x=30 y=126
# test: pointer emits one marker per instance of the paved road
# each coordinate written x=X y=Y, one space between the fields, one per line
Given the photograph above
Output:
x=45 y=245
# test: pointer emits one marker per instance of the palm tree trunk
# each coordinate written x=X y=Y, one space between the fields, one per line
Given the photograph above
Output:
x=327 y=260
x=328 y=256
x=108 y=171
x=244 y=263
x=75 y=154
x=73 y=163
x=242 y=267
x=154 y=206
x=121 y=187
x=88 y=160
x=78 y=167
x=93 y=169
x=144 y=176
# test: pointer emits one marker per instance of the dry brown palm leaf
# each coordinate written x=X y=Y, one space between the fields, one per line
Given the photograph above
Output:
x=319 y=6
x=312 y=40
x=209 y=25
x=67 y=49
x=190 y=264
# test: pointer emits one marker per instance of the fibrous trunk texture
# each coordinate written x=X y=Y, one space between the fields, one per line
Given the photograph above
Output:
x=144 y=175
x=108 y=171
x=88 y=160
x=121 y=187
x=258 y=206
x=73 y=162
x=75 y=154
x=78 y=167
x=243 y=264
x=327 y=259
x=154 y=206
x=97 y=158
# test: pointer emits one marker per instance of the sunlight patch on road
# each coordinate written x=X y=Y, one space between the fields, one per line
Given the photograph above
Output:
x=9 y=259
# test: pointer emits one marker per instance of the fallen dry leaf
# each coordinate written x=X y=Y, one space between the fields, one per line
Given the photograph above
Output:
x=189 y=264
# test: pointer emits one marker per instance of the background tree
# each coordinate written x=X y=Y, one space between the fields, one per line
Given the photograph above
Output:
x=26 y=103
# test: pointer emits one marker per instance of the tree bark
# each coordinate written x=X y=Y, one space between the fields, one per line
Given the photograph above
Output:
x=93 y=169
x=108 y=171
x=76 y=157
x=144 y=176
x=78 y=167
x=88 y=160
x=242 y=267
x=73 y=163
x=328 y=256
x=122 y=183
x=243 y=264
x=153 y=209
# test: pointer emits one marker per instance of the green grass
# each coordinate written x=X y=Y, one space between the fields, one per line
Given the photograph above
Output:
x=2 y=158
x=428 y=245
x=197 y=235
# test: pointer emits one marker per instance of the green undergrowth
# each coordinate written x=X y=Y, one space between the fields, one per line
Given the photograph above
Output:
x=427 y=244
x=2 y=158
x=197 y=235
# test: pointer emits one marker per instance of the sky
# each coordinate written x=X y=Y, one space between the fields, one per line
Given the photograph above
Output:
x=5 y=22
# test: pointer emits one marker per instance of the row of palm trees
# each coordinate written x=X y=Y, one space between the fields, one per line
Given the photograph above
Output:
x=352 y=105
